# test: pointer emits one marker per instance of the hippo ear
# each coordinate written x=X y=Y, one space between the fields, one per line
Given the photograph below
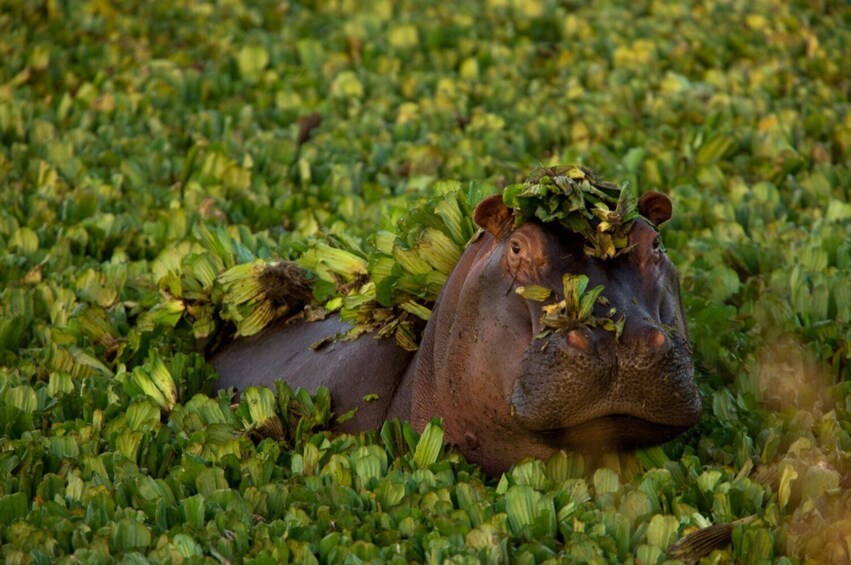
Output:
x=656 y=207
x=493 y=215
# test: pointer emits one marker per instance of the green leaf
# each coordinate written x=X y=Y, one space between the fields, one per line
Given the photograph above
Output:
x=713 y=150
x=339 y=469
x=193 y=509
x=13 y=507
x=130 y=535
x=587 y=302
x=211 y=480
x=456 y=219
x=563 y=466
x=662 y=530
x=430 y=444
x=534 y=292
x=252 y=60
x=24 y=240
x=606 y=481
x=22 y=397
x=574 y=288
x=521 y=507
x=367 y=466
x=156 y=382
x=528 y=511
x=784 y=491
x=140 y=414
x=416 y=309
x=652 y=457
x=187 y=546
x=819 y=480
x=260 y=403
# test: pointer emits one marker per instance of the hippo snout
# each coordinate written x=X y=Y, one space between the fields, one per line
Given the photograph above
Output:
x=562 y=377
x=584 y=386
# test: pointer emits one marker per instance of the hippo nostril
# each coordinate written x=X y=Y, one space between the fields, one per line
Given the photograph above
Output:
x=577 y=340
x=657 y=339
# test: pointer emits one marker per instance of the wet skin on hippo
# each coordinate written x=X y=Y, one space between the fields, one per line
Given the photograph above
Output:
x=503 y=392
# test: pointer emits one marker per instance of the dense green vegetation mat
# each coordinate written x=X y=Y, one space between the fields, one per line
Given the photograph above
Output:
x=136 y=136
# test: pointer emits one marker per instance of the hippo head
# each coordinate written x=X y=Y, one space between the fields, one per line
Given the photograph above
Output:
x=508 y=389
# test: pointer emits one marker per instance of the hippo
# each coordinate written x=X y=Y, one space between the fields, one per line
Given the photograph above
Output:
x=505 y=388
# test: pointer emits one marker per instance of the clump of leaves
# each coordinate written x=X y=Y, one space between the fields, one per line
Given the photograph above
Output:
x=388 y=285
x=385 y=285
x=257 y=412
x=602 y=212
x=219 y=279
x=575 y=309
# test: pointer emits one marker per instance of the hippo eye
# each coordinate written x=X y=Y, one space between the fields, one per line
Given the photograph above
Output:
x=657 y=245
x=515 y=247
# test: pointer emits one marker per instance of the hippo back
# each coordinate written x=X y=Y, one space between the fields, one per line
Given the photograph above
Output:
x=362 y=374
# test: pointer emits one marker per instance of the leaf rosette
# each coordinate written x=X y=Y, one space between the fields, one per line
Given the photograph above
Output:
x=602 y=212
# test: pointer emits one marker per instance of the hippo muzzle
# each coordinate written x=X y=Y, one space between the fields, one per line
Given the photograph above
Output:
x=587 y=390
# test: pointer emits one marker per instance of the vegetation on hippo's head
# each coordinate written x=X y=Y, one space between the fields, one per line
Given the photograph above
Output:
x=575 y=309
x=602 y=212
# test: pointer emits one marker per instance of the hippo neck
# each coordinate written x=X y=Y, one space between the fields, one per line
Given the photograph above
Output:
x=418 y=380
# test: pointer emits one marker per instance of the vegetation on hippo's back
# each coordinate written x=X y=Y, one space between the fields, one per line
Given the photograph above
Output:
x=390 y=280
x=272 y=124
x=218 y=279
x=382 y=284
x=397 y=279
